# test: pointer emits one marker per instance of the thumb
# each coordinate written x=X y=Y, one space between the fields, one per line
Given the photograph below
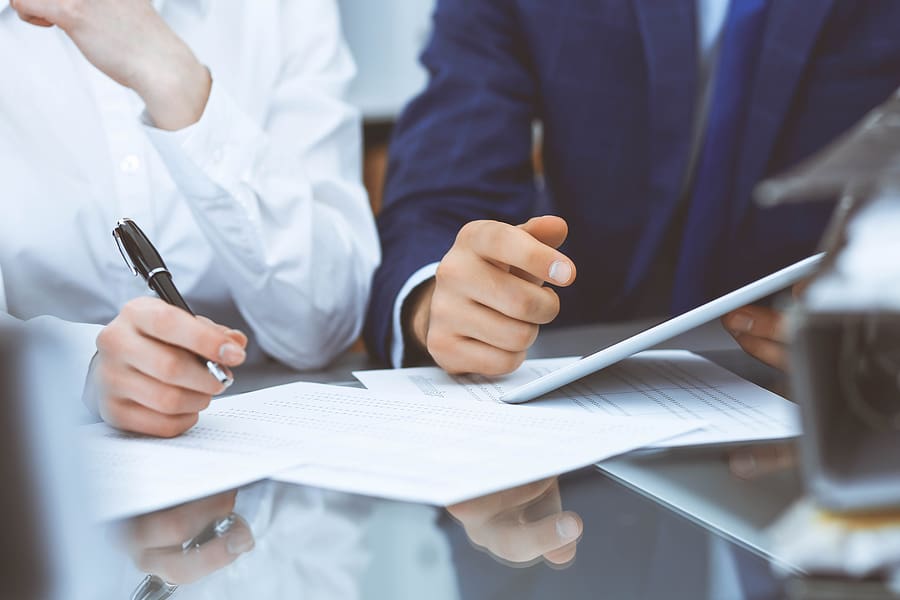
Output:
x=548 y=230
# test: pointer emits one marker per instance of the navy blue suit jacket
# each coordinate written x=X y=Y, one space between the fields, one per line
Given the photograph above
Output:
x=614 y=83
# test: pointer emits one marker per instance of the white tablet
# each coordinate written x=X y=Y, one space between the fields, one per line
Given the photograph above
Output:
x=655 y=335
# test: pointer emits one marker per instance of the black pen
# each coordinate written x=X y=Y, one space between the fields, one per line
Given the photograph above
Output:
x=144 y=260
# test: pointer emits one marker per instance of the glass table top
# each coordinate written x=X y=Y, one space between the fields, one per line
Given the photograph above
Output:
x=676 y=525
x=578 y=536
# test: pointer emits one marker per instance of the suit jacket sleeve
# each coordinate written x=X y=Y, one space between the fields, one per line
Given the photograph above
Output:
x=461 y=150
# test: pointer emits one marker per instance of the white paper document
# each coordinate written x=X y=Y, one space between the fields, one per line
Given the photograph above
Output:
x=133 y=474
x=441 y=452
x=130 y=475
x=406 y=448
x=673 y=385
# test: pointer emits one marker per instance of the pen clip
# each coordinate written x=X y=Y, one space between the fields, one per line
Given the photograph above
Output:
x=123 y=252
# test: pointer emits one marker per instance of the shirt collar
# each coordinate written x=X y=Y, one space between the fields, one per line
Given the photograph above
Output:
x=202 y=6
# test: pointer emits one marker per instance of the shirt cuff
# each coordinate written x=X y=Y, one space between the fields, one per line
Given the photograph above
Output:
x=209 y=158
x=415 y=280
x=61 y=359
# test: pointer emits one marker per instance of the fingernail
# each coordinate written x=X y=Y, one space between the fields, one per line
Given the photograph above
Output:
x=741 y=323
x=232 y=354
x=567 y=528
x=560 y=271
x=743 y=464
x=239 y=541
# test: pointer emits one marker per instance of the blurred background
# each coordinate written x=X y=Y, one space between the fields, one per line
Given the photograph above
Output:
x=386 y=38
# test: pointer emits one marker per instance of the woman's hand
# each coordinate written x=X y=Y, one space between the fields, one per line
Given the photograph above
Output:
x=147 y=376
x=129 y=42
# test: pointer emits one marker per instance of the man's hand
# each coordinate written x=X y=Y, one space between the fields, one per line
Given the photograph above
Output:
x=760 y=331
x=129 y=42
x=155 y=540
x=523 y=524
x=483 y=310
x=147 y=374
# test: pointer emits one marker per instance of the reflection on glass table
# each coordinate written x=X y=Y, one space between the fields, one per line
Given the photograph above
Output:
x=578 y=536
x=523 y=525
x=266 y=540
x=629 y=543
x=629 y=546
x=174 y=546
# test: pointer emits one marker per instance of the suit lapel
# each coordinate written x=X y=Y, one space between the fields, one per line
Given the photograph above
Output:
x=668 y=31
x=791 y=32
x=672 y=80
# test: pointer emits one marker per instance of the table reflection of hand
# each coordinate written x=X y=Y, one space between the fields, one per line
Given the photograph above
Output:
x=156 y=541
x=757 y=461
x=523 y=524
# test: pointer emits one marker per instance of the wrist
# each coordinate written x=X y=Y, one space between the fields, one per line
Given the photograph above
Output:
x=422 y=313
x=175 y=90
x=414 y=321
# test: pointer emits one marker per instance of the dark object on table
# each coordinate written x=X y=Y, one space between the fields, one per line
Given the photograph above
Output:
x=23 y=567
x=846 y=329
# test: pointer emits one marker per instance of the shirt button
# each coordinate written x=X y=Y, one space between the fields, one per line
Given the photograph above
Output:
x=130 y=164
x=218 y=155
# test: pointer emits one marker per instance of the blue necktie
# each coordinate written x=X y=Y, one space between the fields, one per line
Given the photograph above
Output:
x=707 y=222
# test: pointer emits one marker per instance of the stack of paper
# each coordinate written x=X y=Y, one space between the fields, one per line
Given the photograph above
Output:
x=672 y=385
x=424 y=436
x=421 y=449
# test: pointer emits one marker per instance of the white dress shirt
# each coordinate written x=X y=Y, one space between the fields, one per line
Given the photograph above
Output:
x=258 y=208
x=710 y=20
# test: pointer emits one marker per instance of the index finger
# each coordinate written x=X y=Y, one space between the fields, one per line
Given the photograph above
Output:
x=517 y=248
x=177 y=327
